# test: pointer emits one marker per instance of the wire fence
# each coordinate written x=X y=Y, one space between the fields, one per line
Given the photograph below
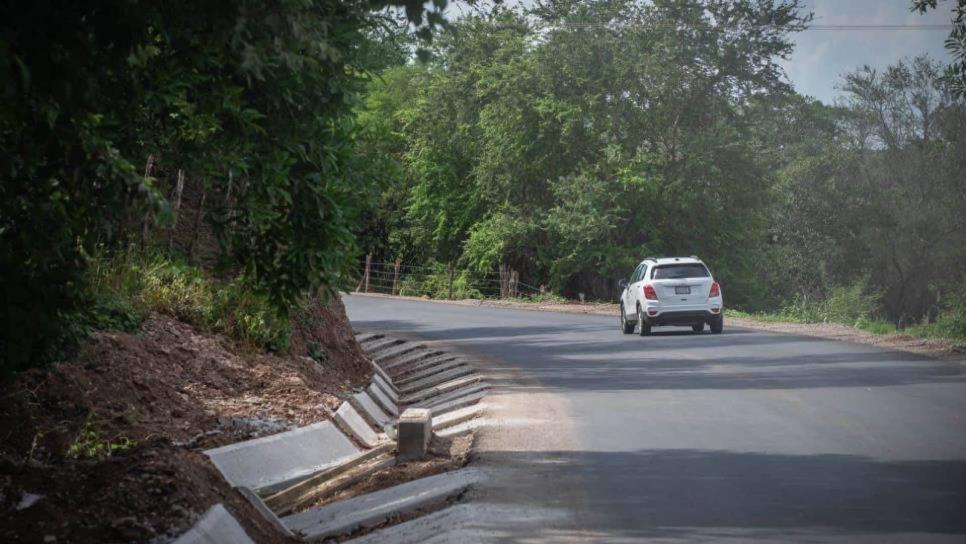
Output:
x=441 y=282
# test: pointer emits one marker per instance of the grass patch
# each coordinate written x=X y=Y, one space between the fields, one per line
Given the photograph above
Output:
x=125 y=286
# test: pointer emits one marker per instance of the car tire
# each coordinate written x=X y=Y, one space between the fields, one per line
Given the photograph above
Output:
x=645 y=327
x=627 y=327
x=717 y=325
x=698 y=328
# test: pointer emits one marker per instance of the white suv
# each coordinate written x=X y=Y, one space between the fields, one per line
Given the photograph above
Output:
x=671 y=291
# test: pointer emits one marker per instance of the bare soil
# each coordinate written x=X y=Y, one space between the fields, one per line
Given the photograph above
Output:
x=112 y=440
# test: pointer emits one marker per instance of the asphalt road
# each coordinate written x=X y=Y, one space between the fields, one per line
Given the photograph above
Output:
x=744 y=436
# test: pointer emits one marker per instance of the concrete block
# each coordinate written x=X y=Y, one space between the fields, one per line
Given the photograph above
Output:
x=452 y=395
x=383 y=400
x=435 y=379
x=457 y=416
x=381 y=345
x=423 y=372
x=414 y=429
x=349 y=420
x=401 y=349
x=436 y=390
x=412 y=358
x=372 y=509
x=217 y=526
x=370 y=410
x=382 y=373
x=263 y=509
x=275 y=461
x=389 y=390
x=367 y=337
x=442 y=406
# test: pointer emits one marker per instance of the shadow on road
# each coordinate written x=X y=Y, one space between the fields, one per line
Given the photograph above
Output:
x=575 y=358
x=717 y=494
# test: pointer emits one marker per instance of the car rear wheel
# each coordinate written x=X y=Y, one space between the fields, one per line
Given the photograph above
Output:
x=717 y=325
x=627 y=327
x=645 y=327
x=697 y=328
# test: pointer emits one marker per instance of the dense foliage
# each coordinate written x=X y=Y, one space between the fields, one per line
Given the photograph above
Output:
x=573 y=139
x=103 y=103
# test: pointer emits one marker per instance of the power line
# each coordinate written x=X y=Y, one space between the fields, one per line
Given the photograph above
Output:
x=848 y=28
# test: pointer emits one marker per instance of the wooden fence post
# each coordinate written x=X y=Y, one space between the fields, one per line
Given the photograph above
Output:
x=178 y=188
x=450 y=280
x=365 y=280
x=395 y=277
x=145 y=221
x=198 y=216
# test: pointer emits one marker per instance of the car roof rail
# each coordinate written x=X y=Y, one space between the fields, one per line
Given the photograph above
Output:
x=650 y=259
x=695 y=257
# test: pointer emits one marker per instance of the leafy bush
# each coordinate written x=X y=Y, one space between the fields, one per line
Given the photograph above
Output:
x=435 y=284
x=128 y=284
x=847 y=305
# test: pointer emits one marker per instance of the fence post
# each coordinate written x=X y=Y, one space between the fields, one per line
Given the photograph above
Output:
x=395 y=277
x=450 y=280
x=366 y=278
x=178 y=188
x=514 y=279
x=198 y=216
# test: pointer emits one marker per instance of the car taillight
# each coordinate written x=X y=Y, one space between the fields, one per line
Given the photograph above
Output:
x=715 y=290
x=649 y=292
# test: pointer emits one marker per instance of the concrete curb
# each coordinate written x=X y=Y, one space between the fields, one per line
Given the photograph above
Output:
x=264 y=510
x=350 y=422
x=424 y=372
x=433 y=380
x=441 y=388
x=369 y=510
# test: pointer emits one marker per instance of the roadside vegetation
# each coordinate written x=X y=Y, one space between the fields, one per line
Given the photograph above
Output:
x=571 y=140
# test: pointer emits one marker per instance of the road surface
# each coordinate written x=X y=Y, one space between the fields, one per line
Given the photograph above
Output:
x=744 y=436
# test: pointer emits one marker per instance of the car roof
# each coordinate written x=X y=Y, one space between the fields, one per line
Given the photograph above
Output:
x=674 y=260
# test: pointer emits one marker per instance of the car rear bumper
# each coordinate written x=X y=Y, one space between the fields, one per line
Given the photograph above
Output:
x=682 y=317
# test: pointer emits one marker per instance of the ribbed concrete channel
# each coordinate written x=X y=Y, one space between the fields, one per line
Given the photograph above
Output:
x=284 y=474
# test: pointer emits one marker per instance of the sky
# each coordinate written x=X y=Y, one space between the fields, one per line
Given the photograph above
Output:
x=822 y=56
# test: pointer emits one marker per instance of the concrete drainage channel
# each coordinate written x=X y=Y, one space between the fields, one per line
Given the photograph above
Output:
x=416 y=391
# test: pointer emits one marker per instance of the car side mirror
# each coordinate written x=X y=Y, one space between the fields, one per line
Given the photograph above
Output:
x=622 y=283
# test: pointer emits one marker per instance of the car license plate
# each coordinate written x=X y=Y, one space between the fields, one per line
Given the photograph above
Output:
x=682 y=290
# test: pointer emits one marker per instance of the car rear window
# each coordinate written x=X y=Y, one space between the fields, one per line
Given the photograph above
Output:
x=677 y=271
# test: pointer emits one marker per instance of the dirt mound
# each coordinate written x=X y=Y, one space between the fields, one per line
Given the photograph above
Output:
x=112 y=439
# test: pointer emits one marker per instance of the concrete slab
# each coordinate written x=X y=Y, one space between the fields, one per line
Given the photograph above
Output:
x=380 y=372
x=414 y=430
x=464 y=428
x=452 y=395
x=435 y=379
x=422 y=372
x=367 y=337
x=427 y=393
x=401 y=349
x=448 y=405
x=453 y=524
x=349 y=420
x=373 y=348
x=458 y=416
x=216 y=526
x=382 y=400
x=371 y=411
x=413 y=358
x=389 y=390
x=278 y=460
x=372 y=509
x=264 y=510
